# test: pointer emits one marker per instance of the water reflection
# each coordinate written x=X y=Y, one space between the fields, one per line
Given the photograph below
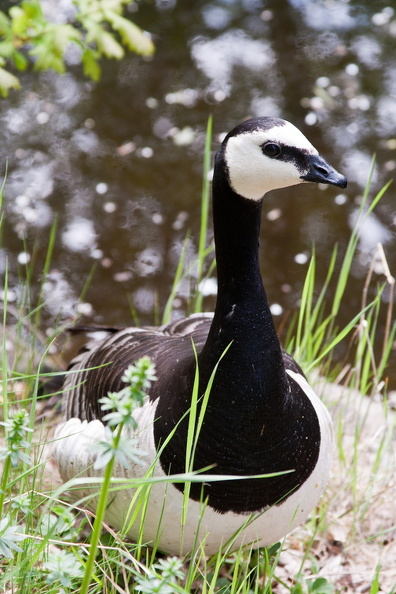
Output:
x=79 y=235
x=119 y=163
x=219 y=58
x=371 y=232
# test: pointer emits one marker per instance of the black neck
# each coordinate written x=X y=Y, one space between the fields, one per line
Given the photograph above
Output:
x=242 y=314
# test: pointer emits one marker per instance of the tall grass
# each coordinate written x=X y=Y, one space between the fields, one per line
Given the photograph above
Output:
x=317 y=333
x=48 y=544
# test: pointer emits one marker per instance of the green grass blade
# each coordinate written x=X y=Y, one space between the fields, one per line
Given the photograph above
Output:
x=167 y=315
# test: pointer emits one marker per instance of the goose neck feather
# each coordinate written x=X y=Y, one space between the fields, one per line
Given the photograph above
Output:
x=242 y=316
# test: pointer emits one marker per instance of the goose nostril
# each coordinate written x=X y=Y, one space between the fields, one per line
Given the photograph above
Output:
x=322 y=171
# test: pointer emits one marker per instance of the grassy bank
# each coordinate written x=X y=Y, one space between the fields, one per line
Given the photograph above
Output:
x=349 y=545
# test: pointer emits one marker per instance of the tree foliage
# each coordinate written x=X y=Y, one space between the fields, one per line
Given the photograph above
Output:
x=98 y=28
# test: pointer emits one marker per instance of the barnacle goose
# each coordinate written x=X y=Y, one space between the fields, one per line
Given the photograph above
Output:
x=262 y=416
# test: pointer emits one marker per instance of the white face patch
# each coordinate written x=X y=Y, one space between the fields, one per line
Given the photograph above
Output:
x=252 y=173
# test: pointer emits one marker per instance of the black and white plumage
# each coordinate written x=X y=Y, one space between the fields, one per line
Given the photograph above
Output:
x=262 y=416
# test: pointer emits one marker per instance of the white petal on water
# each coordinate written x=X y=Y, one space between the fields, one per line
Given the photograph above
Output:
x=208 y=287
x=371 y=231
x=218 y=57
x=23 y=258
x=301 y=258
x=216 y=17
x=352 y=69
x=276 y=309
x=186 y=97
x=356 y=166
x=326 y=15
x=101 y=188
x=311 y=118
x=341 y=199
x=265 y=105
x=323 y=81
x=79 y=235
x=85 y=309
x=42 y=117
x=146 y=152
x=86 y=141
x=144 y=300
x=58 y=295
x=274 y=214
x=109 y=207
x=184 y=137
x=148 y=262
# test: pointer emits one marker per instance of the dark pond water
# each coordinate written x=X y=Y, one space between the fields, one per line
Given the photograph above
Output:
x=119 y=163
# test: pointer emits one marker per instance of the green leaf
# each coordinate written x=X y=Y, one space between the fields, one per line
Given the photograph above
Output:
x=108 y=45
x=9 y=536
x=25 y=29
x=132 y=36
x=33 y=9
x=7 y=81
x=20 y=61
x=320 y=586
x=50 y=47
x=60 y=522
x=47 y=59
x=6 y=49
x=19 y=20
x=62 y=567
x=27 y=19
x=90 y=64
x=297 y=588
x=105 y=41
x=5 y=26
x=62 y=35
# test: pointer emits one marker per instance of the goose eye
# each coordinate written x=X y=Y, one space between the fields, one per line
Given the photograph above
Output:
x=272 y=149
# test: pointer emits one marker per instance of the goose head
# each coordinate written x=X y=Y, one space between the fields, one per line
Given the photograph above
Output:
x=264 y=154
